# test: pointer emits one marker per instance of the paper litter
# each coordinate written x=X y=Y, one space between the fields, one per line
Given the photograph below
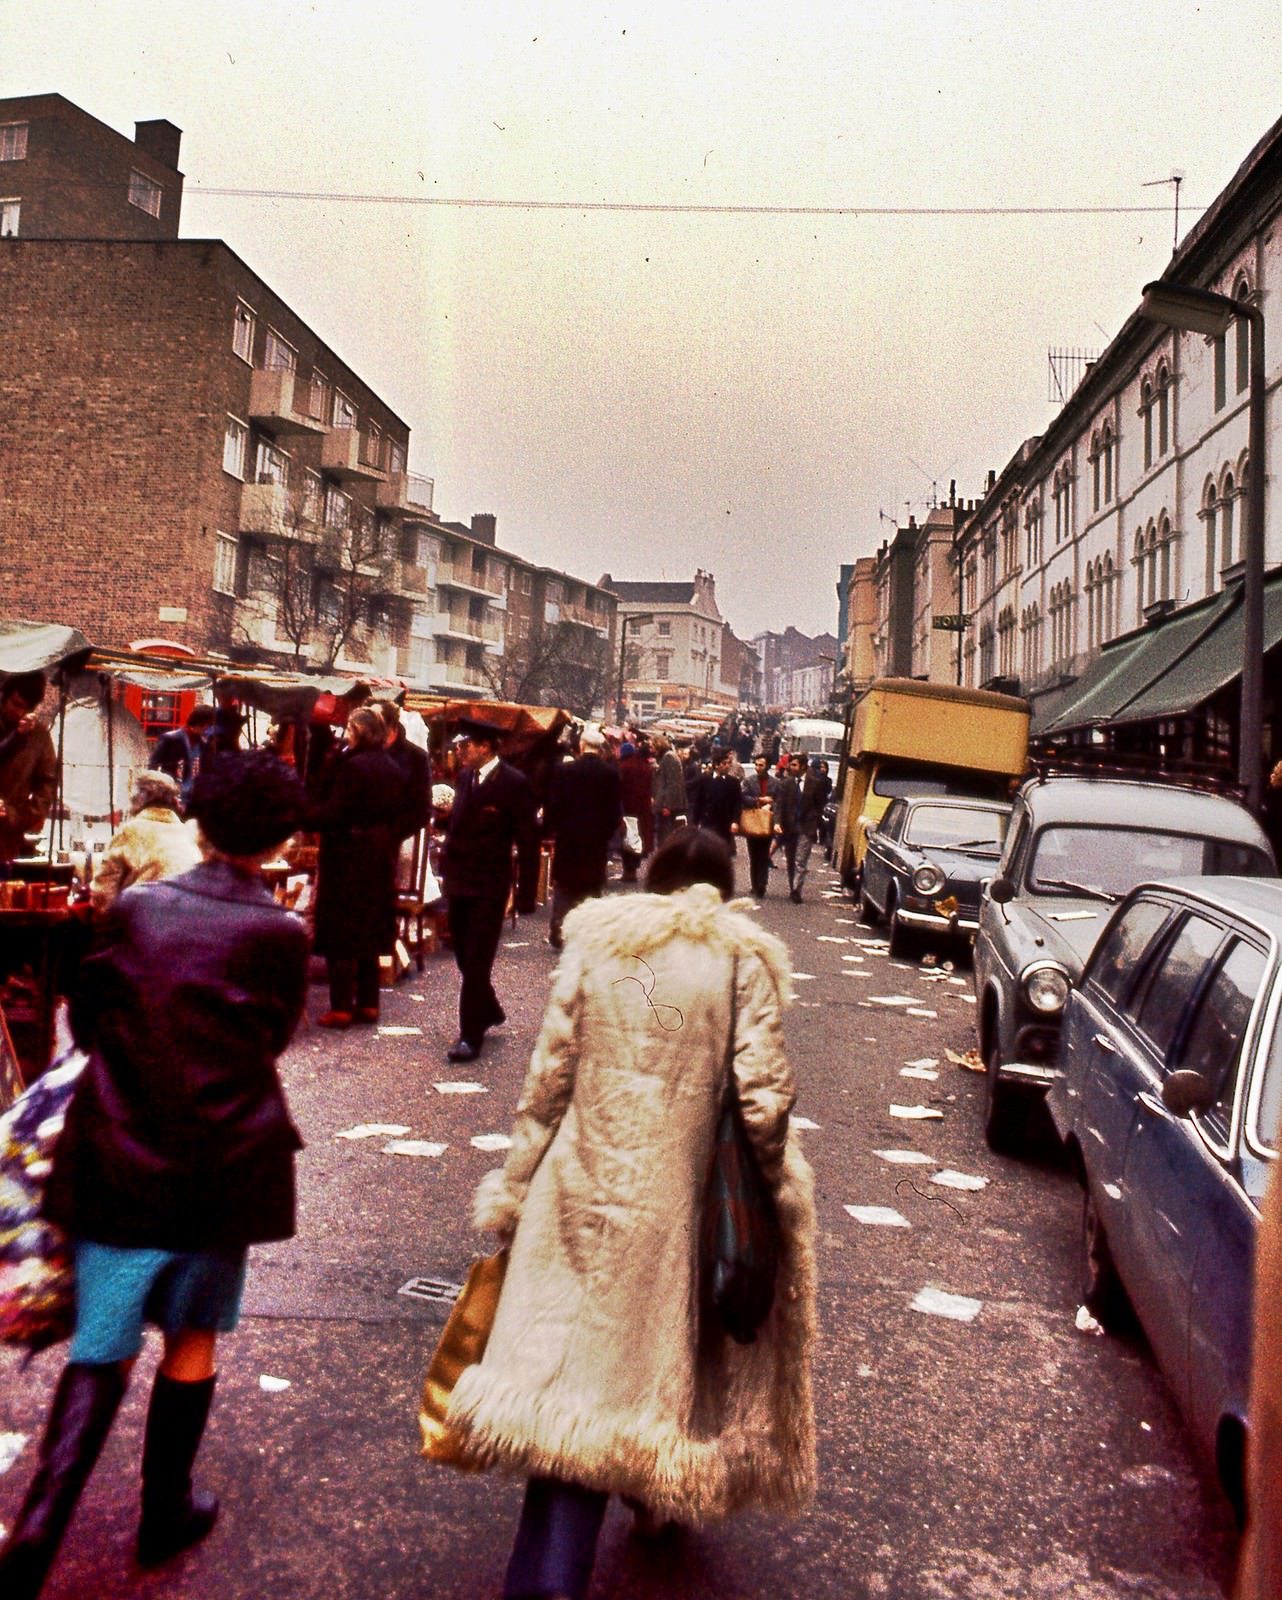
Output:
x=939 y=1303
x=373 y=1130
x=906 y=1158
x=1084 y=1322
x=928 y=1073
x=801 y=1122
x=949 y=1179
x=919 y=1011
x=271 y=1385
x=491 y=1141
x=878 y=1216
x=414 y=1147
x=399 y=1032
x=10 y=1449
x=916 y=1113
x=460 y=1088
x=970 y=1062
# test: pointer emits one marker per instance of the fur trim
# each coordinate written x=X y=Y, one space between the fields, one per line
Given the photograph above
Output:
x=496 y=1207
x=626 y=925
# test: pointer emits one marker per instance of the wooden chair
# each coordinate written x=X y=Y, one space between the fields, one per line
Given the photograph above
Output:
x=417 y=905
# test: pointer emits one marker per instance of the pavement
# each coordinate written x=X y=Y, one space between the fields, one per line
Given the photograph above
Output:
x=974 y=1445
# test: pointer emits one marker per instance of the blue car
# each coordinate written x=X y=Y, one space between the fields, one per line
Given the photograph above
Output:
x=1168 y=1101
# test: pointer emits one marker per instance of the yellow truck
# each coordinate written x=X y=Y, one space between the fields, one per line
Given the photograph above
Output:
x=912 y=738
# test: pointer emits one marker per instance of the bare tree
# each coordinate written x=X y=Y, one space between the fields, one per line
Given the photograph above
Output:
x=563 y=665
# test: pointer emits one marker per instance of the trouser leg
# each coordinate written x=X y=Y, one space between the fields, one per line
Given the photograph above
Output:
x=367 y=986
x=631 y=861
x=476 y=925
x=759 y=863
x=173 y=1516
x=805 y=844
x=563 y=902
x=84 y=1406
x=342 y=977
x=790 y=856
x=555 y=1540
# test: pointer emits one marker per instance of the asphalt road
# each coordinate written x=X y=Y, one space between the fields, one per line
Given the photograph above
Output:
x=995 y=1458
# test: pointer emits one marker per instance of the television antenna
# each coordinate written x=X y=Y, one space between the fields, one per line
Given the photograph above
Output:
x=1175 y=180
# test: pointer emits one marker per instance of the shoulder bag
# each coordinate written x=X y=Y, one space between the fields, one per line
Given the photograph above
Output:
x=462 y=1344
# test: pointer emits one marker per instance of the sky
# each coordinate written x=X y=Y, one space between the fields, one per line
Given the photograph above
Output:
x=479 y=207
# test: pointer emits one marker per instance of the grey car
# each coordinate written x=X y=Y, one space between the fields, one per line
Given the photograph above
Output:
x=924 y=864
x=1074 y=848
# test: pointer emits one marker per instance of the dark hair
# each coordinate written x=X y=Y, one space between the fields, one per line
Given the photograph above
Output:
x=691 y=855
x=28 y=686
x=246 y=802
x=200 y=717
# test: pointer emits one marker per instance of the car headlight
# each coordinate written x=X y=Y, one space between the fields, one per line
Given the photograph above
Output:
x=928 y=879
x=1046 y=988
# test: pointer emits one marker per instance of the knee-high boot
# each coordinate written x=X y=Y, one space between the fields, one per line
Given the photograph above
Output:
x=84 y=1406
x=173 y=1516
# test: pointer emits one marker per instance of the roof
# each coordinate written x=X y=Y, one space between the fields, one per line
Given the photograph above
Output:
x=1259 y=899
x=654 y=594
x=37 y=646
x=1136 y=803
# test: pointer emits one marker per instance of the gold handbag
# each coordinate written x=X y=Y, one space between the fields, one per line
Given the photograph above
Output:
x=756 y=821
x=462 y=1344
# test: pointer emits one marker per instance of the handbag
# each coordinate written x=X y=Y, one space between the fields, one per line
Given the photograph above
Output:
x=739 y=1227
x=632 y=837
x=757 y=822
x=462 y=1344
x=37 y=1274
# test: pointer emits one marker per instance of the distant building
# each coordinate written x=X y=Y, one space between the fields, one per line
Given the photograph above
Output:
x=670 y=643
x=798 y=672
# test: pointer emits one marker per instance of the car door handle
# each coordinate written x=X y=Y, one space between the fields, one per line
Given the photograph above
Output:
x=1150 y=1103
x=1104 y=1042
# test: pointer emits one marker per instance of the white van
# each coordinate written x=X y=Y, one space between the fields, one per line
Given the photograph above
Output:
x=813 y=736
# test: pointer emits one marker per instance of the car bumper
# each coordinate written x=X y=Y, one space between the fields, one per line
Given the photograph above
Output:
x=1028 y=1074
x=959 y=923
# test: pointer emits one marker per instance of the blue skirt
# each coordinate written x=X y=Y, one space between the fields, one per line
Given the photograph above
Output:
x=118 y=1290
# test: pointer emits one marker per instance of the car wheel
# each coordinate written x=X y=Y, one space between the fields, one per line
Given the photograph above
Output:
x=867 y=911
x=1003 y=1110
x=899 y=938
x=1102 y=1291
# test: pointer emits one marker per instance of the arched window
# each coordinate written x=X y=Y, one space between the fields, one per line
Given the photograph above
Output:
x=1228 y=548
x=1163 y=410
x=1242 y=336
x=1146 y=412
x=1108 y=582
x=1109 y=444
x=1165 y=552
x=1137 y=561
x=1097 y=471
x=1209 y=503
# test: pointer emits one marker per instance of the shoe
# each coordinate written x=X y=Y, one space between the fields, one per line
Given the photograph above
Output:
x=174 y=1516
x=795 y=896
x=497 y=1017
x=556 y=941
x=335 y=1019
x=462 y=1050
x=366 y=1014
x=84 y=1406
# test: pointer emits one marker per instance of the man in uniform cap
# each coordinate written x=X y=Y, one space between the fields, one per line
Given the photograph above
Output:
x=494 y=808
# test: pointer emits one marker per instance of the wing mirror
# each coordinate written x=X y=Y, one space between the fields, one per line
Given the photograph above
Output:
x=1185 y=1092
x=1001 y=891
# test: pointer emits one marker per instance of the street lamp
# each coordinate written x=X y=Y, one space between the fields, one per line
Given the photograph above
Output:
x=642 y=616
x=1203 y=311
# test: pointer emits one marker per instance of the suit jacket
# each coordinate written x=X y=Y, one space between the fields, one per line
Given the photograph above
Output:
x=815 y=789
x=414 y=810
x=178 y=1136
x=788 y=810
x=582 y=814
x=669 y=784
x=486 y=821
x=718 y=804
x=751 y=794
x=356 y=874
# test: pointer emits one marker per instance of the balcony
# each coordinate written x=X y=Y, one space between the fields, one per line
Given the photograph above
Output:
x=271 y=403
x=341 y=457
x=254 y=620
x=456 y=625
x=454 y=675
x=462 y=575
x=411 y=579
x=598 y=621
x=334 y=552
x=266 y=508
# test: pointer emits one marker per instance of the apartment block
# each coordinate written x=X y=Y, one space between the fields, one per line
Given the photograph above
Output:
x=671 y=638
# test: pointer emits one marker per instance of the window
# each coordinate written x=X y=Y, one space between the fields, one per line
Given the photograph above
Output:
x=1228 y=493
x=372 y=445
x=344 y=411
x=664 y=630
x=1163 y=410
x=1221 y=374
x=662 y=666
x=313 y=498
x=328 y=604
x=318 y=397
x=271 y=465
x=144 y=194
x=338 y=508
x=1062 y=494
x=1242 y=338
x=9 y=210
x=235 y=443
x=13 y=141
x=242 y=332
x=225 y=563
x=278 y=354
x=1213 y=1044
x=1006 y=642
x=1116 y=961
x=1174 y=981
x=1146 y=414
x=396 y=459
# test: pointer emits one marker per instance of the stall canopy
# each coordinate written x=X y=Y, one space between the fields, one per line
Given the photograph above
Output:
x=527 y=730
x=39 y=646
x=1132 y=670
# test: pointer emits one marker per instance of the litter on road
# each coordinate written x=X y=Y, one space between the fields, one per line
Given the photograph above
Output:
x=10 y=1449
x=959 y=1180
x=972 y=1061
x=928 y=1073
x=517 y=944
x=830 y=938
x=923 y=1061
x=878 y=1216
x=916 y=1113
x=906 y=1158
x=802 y=1122
x=491 y=1141
x=374 y=1130
x=414 y=1147
x=890 y=999
x=920 y=1011
x=939 y=1303
x=460 y=1088
x=1084 y=1322
x=270 y=1385
x=399 y=1032
x=804 y=977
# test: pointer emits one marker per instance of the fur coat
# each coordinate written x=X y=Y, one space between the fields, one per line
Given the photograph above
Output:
x=154 y=843
x=598 y=1369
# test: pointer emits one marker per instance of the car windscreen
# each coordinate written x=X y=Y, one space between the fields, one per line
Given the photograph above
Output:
x=1071 y=859
x=952 y=827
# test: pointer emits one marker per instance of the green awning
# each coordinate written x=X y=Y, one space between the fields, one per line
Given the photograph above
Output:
x=1214 y=663
x=1127 y=670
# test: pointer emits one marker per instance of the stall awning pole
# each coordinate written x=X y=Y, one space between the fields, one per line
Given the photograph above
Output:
x=105 y=681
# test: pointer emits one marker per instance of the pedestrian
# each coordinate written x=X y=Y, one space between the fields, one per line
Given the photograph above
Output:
x=180 y=751
x=758 y=822
x=627 y=1388
x=581 y=817
x=789 y=815
x=719 y=800
x=692 y=777
x=668 y=794
x=28 y=763
x=414 y=811
x=177 y=1155
x=154 y=843
x=355 y=921
x=494 y=810
x=636 y=780
x=815 y=789
x=827 y=823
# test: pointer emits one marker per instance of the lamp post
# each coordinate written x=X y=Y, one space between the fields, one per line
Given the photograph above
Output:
x=1203 y=311
x=642 y=616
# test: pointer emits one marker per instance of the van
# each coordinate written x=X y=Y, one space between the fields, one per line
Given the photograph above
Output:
x=913 y=738
x=813 y=737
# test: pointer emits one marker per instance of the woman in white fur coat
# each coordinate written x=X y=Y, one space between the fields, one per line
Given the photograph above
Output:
x=601 y=1375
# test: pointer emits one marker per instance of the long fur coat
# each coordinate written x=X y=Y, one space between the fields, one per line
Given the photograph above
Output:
x=599 y=1368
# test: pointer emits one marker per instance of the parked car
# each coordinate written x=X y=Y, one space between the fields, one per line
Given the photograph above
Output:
x=1074 y=847
x=924 y=863
x=1168 y=1104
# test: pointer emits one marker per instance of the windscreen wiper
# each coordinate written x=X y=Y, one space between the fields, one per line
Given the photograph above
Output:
x=1078 y=888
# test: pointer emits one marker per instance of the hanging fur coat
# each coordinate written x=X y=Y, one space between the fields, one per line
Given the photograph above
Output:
x=600 y=1369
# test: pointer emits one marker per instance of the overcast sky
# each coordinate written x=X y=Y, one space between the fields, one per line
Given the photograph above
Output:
x=643 y=391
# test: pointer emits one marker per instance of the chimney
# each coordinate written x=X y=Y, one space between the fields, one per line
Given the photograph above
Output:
x=159 y=140
x=485 y=527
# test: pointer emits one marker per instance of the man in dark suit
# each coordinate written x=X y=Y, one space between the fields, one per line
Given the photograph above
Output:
x=494 y=809
x=582 y=815
x=719 y=800
x=180 y=752
x=414 y=808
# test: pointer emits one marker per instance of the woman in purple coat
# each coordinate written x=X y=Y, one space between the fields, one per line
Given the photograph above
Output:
x=636 y=781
